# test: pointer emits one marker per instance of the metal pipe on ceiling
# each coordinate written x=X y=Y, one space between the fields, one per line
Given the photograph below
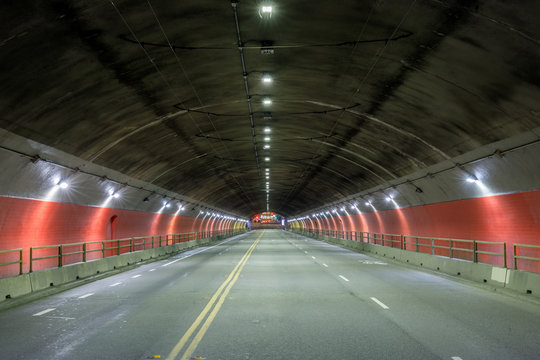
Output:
x=246 y=85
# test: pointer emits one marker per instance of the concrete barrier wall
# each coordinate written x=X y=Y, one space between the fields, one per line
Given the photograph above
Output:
x=15 y=286
x=522 y=282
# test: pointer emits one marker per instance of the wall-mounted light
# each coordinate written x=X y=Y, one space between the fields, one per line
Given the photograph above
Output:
x=472 y=178
x=62 y=184
x=114 y=194
x=267 y=101
x=267 y=78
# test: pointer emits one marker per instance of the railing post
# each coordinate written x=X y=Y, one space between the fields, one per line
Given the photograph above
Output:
x=475 y=248
x=504 y=252
x=416 y=244
x=20 y=261
x=132 y=244
x=160 y=241
x=451 y=249
x=84 y=252
x=31 y=258
x=118 y=247
x=60 y=255
x=515 y=254
x=402 y=242
x=103 y=249
x=432 y=249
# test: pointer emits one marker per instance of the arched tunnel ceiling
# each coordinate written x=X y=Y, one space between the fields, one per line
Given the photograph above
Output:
x=363 y=91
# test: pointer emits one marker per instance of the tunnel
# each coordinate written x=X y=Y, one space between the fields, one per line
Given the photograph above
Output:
x=270 y=179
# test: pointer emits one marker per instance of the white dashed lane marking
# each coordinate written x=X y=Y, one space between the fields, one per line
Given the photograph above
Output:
x=135 y=276
x=380 y=303
x=86 y=295
x=324 y=265
x=115 y=284
x=313 y=257
x=44 y=312
x=344 y=278
x=456 y=358
x=152 y=270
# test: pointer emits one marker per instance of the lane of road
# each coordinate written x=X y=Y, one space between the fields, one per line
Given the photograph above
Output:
x=272 y=295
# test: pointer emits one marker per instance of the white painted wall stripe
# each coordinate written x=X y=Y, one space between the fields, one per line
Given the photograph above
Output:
x=86 y=295
x=343 y=277
x=380 y=303
x=44 y=312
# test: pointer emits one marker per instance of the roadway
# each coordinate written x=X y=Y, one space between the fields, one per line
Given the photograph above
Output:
x=272 y=295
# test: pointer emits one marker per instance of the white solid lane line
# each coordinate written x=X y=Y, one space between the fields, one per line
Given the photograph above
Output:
x=380 y=303
x=44 y=312
x=324 y=265
x=86 y=295
x=198 y=252
x=115 y=284
x=313 y=257
x=135 y=276
x=343 y=277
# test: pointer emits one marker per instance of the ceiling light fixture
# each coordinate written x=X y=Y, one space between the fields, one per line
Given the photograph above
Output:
x=267 y=101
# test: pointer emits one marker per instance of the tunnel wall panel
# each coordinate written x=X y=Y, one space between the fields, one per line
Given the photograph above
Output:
x=510 y=218
x=26 y=223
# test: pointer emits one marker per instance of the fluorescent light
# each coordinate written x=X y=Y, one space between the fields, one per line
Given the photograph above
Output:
x=267 y=138
x=267 y=79
x=266 y=146
x=388 y=198
x=267 y=101
x=62 y=184
x=267 y=129
x=266 y=159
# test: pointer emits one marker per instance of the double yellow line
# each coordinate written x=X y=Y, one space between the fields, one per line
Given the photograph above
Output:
x=218 y=298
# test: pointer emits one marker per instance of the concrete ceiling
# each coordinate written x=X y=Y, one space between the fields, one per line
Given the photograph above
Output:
x=363 y=91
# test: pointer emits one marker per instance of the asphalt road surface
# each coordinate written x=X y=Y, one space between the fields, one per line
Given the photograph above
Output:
x=272 y=295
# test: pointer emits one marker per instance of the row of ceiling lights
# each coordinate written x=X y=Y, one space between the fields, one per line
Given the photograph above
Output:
x=265 y=12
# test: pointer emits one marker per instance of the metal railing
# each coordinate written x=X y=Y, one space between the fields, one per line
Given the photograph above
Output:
x=64 y=254
x=19 y=261
x=516 y=255
x=488 y=252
